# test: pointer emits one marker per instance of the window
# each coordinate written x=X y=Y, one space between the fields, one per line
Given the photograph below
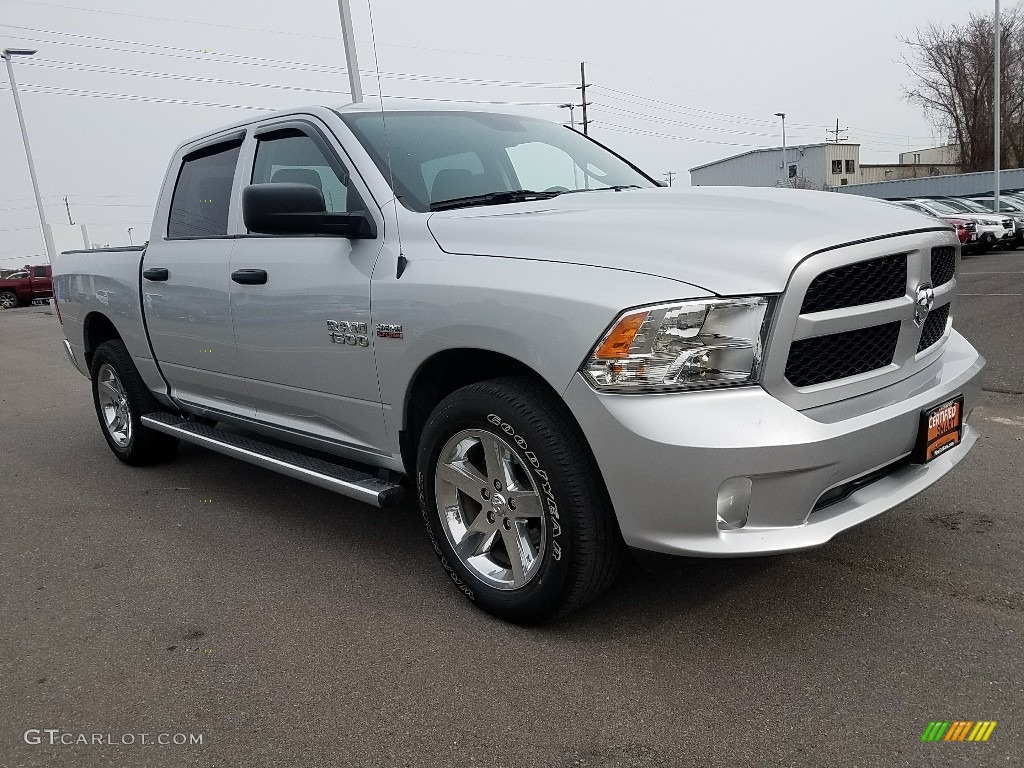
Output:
x=40 y=272
x=202 y=196
x=837 y=166
x=453 y=176
x=792 y=171
x=850 y=166
x=843 y=182
x=292 y=156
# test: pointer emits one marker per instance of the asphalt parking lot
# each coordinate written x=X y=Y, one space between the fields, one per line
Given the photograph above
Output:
x=290 y=627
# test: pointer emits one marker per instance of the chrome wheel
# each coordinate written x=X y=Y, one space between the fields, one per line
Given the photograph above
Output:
x=8 y=300
x=117 y=417
x=491 y=509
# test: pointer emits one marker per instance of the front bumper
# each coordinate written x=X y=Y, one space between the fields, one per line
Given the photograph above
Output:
x=664 y=458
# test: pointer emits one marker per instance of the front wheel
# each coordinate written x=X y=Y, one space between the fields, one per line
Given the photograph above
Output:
x=513 y=502
x=8 y=300
x=121 y=398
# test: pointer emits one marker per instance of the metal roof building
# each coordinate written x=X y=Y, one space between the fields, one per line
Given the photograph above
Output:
x=819 y=165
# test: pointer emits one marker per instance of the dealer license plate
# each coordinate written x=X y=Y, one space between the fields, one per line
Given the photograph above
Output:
x=941 y=429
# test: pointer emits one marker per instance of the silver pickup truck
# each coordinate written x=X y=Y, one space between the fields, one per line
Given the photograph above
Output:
x=559 y=359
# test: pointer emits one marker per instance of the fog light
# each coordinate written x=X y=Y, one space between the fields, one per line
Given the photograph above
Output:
x=733 y=503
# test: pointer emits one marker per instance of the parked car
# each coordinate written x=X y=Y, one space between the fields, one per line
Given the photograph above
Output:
x=966 y=230
x=555 y=356
x=1008 y=206
x=992 y=230
x=22 y=288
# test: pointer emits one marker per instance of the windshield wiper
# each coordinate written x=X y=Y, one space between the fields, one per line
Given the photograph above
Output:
x=614 y=188
x=492 y=198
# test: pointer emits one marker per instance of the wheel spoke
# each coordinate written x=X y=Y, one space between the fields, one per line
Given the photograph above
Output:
x=520 y=552
x=479 y=538
x=497 y=465
x=526 y=503
x=463 y=476
x=110 y=390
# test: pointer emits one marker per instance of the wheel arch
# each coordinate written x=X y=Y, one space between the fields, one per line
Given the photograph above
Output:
x=443 y=373
x=97 y=328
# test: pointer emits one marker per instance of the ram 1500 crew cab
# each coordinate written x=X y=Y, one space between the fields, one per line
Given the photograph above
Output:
x=554 y=356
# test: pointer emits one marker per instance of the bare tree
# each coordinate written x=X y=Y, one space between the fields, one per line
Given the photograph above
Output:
x=953 y=69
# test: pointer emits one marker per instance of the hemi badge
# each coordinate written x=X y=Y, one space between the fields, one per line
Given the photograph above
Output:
x=389 y=331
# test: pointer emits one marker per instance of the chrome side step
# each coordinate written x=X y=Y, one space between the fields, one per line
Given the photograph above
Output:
x=348 y=481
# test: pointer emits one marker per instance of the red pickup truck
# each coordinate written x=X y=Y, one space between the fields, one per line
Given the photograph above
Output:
x=24 y=286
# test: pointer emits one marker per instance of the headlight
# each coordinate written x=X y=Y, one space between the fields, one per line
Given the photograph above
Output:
x=989 y=222
x=691 y=345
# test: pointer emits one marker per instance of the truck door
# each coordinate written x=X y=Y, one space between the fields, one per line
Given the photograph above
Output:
x=303 y=330
x=185 y=282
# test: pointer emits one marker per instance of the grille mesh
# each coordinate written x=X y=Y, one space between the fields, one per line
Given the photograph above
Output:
x=934 y=327
x=854 y=284
x=838 y=355
x=943 y=265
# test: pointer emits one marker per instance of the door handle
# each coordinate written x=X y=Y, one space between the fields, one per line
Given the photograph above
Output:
x=250 y=276
x=156 y=274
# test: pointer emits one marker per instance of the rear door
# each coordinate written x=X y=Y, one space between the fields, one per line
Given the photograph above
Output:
x=185 y=281
x=304 y=339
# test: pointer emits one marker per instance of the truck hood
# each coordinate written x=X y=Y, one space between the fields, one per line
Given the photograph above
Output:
x=726 y=240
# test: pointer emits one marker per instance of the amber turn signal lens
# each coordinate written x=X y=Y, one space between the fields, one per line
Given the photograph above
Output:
x=617 y=343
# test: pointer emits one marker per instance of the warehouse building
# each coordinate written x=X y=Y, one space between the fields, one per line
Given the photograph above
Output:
x=810 y=166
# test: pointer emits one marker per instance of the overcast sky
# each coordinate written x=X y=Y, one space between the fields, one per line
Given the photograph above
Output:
x=676 y=83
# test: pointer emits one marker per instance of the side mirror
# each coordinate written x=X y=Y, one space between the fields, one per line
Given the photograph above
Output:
x=299 y=209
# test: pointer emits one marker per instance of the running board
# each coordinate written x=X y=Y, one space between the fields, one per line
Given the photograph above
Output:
x=355 y=483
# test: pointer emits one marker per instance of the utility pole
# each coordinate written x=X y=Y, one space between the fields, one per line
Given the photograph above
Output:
x=996 y=110
x=836 y=134
x=351 y=61
x=670 y=175
x=8 y=55
x=785 y=177
x=66 y=205
x=130 y=242
x=583 y=96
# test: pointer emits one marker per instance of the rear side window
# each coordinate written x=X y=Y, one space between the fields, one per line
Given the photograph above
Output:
x=199 y=207
x=40 y=271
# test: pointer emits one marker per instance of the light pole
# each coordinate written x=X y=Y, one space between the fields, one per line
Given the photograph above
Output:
x=996 y=110
x=570 y=107
x=783 y=116
x=8 y=56
x=351 y=61
x=130 y=242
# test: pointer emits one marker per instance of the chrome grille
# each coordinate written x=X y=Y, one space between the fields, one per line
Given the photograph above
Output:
x=839 y=355
x=933 y=328
x=943 y=265
x=826 y=345
x=855 y=284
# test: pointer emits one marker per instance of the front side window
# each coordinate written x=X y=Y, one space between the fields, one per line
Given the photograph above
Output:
x=432 y=157
x=291 y=156
x=202 y=195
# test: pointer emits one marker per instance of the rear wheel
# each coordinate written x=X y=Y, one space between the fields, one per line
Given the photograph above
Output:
x=8 y=300
x=121 y=399
x=513 y=502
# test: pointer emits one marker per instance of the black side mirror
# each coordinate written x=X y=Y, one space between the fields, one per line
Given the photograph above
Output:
x=299 y=209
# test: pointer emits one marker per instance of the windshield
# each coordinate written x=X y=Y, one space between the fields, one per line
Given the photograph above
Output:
x=940 y=208
x=441 y=156
x=989 y=204
x=967 y=206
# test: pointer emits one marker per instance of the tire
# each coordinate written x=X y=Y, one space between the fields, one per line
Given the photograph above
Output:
x=540 y=490
x=8 y=300
x=121 y=399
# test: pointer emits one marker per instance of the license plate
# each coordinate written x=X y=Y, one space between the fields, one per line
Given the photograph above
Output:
x=941 y=429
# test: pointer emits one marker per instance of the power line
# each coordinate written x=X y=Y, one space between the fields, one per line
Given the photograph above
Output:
x=263 y=61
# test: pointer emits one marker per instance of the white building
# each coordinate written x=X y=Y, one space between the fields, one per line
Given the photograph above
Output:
x=809 y=166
